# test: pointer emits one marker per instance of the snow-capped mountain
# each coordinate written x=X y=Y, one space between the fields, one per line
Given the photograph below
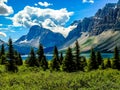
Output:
x=38 y=35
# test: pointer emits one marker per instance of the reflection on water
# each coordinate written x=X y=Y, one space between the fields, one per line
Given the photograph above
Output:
x=87 y=55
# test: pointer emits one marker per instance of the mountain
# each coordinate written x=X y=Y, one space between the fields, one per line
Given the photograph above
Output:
x=101 y=31
x=88 y=30
x=36 y=35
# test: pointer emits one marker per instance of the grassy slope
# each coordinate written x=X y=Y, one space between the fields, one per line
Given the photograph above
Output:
x=36 y=79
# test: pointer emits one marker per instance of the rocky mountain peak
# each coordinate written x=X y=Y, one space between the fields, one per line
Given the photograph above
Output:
x=105 y=19
x=34 y=32
x=38 y=35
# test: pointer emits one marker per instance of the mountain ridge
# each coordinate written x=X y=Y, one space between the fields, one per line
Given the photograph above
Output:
x=39 y=35
x=105 y=19
x=87 y=32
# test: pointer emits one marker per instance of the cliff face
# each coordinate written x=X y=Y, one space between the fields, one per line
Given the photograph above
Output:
x=105 y=20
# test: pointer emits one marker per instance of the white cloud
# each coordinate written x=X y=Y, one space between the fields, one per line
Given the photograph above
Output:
x=57 y=28
x=45 y=4
x=88 y=1
x=49 y=18
x=3 y=34
x=5 y=10
x=1 y=1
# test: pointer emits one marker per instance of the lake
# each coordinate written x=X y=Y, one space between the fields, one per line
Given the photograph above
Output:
x=87 y=55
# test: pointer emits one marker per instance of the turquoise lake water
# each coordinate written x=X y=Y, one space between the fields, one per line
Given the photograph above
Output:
x=87 y=55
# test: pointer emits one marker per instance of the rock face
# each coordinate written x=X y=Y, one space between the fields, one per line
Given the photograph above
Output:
x=37 y=35
x=105 y=19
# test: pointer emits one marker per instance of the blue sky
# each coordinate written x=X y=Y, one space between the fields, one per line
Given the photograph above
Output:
x=17 y=16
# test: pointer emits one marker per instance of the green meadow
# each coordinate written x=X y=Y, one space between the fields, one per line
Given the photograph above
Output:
x=33 y=78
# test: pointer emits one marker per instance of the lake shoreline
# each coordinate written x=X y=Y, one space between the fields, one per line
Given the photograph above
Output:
x=87 y=55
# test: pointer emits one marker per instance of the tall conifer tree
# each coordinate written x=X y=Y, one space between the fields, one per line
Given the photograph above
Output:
x=77 y=56
x=92 y=62
x=116 y=60
x=61 y=58
x=11 y=66
x=44 y=63
x=99 y=58
x=68 y=62
x=40 y=53
x=32 y=61
x=2 y=55
x=55 y=63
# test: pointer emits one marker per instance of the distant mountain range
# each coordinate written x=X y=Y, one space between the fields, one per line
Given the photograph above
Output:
x=101 y=31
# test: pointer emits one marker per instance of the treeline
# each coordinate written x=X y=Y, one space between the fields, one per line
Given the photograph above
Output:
x=72 y=61
x=11 y=59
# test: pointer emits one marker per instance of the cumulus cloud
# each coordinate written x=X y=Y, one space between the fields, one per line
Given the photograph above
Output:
x=32 y=15
x=45 y=4
x=47 y=17
x=5 y=9
x=88 y=1
x=3 y=34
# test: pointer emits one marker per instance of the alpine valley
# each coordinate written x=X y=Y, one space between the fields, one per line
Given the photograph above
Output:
x=101 y=31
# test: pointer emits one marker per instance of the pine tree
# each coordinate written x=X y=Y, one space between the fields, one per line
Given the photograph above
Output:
x=16 y=57
x=116 y=60
x=20 y=61
x=2 y=50
x=108 y=64
x=92 y=62
x=11 y=65
x=99 y=58
x=40 y=53
x=44 y=63
x=68 y=62
x=77 y=56
x=61 y=58
x=55 y=63
x=83 y=63
x=2 y=55
x=10 y=50
x=32 y=61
